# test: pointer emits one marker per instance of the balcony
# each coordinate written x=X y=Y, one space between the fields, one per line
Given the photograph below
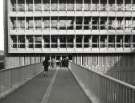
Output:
x=71 y=32
x=68 y=9
x=70 y=50
x=73 y=13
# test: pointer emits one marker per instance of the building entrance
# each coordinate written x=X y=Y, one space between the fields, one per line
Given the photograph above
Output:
x=57 y=60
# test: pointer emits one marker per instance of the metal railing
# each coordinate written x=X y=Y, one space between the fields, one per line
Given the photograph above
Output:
x=101 y=88
x=10 y=79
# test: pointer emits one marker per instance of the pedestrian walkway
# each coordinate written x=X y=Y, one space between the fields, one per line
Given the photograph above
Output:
x=66 y=89
x=58 y=86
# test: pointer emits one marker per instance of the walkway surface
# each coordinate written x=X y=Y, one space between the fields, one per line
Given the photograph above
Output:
x=58 y=86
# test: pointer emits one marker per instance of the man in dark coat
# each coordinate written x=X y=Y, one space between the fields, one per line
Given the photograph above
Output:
x=46 y=64
x=66 y=62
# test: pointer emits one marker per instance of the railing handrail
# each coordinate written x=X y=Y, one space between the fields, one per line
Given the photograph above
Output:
x=109 y=77
x=2 y=70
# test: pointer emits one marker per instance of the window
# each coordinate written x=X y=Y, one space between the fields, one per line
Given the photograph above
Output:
x=38 y=42
x=21 y=41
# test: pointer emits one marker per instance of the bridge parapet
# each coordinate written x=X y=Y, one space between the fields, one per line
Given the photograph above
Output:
x=11 y=79
x=101 y=88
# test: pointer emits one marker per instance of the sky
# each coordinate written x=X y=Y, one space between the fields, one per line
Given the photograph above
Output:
x=1 y=26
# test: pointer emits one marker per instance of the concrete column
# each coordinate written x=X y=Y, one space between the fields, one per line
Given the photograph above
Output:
x=17 y=5
x=83 y=24
x=58 y=42
x=82 y=5
x=10 y=8
x=74 y=41
x=123 y=42
x=90 y=42
x=75 y=5
x=83 y=41
x=42 y=5
x=115 y=41
x=99 y=41
x=26 y=43
x=106 y=41
x=33 y=5
x=50 y=5
x=58 y=5
x=42 y=43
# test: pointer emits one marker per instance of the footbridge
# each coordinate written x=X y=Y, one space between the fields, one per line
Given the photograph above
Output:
x=76 y=84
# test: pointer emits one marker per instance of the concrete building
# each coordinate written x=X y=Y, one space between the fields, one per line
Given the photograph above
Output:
x=98 y=33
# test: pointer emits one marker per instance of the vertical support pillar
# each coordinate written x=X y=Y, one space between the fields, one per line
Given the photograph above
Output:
x=90 y=42
x=107 y=41
x=26 y=43
x=50 y=34
x=34 y=23
x=17 y=6
x=74 y=25
x=99 y=27
x=123 y=44
x=43 y=42
x=131 y=42
x=107 y=6
x=75 y=41
x=58 y=42
x=75 y=5
x=83 y=23
x=91 y=5
x=42 y=7
x=66 y=42
x=107 y=24
x=131 y=5
x=115 y=42
x=10 y=8
x=58 y=24
x=83 y=5
x=123 y=5
x=33 y=5
x=99 y=41
x=33 y=42
x=83 y=42
x=17 y=42
x=58 y=5
x=25 y=6
x=99 y=6
x=66 y=5
x=43 y=23
x=50 y=5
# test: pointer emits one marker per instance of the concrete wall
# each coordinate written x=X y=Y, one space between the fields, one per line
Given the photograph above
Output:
x=12 y=61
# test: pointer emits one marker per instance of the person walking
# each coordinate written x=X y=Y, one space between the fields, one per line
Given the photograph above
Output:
x=66 y=62
x=53 y=63
x=46 y=65
x=60 y=61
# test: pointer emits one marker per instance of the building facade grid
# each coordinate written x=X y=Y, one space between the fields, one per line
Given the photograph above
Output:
x=78 y=27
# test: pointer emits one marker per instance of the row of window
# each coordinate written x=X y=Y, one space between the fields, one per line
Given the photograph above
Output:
x=94 y=41
x=70 y=23
x=70 y=45
x=38 y=5
x=72 y=7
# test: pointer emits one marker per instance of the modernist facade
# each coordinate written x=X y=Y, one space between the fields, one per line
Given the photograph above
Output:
x=90 y=32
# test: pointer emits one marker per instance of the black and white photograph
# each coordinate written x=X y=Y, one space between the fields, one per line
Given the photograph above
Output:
x=67 y=51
